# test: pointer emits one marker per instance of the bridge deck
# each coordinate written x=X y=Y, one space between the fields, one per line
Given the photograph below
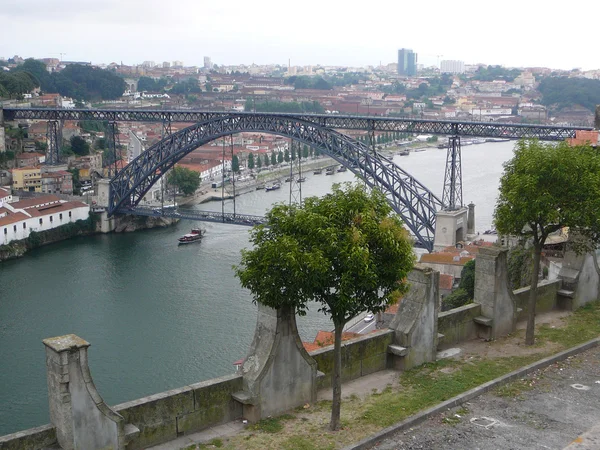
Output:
x=189 y=214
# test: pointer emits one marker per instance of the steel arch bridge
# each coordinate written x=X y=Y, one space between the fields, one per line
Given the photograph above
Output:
x=408 y=197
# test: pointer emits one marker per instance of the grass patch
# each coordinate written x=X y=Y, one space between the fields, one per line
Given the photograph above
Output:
x=581 y=326
x=304 y=443
x=271 y=424
x=426 y=386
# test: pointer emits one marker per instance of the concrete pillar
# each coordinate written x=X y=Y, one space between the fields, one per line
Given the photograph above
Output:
x=81 y=418
x=471 y=219
x=493 y=293
x=2 y=137
x=279 y=374
x=580 y=275
x=415 y=323
x=450 y=228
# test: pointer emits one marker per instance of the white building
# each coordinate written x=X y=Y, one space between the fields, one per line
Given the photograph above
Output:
x=19 y=219
x=452 y=66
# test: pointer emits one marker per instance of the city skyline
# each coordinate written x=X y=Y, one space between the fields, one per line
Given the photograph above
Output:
x=514 y=34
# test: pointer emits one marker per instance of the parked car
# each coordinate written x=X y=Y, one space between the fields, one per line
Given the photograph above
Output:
x=369 y=317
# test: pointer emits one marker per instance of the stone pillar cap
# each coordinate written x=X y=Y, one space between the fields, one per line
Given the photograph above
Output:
x=65 y=343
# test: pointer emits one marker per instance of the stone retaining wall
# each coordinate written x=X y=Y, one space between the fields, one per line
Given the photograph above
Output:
x=457 y=324
x=547 y=294
x=165 y=416
x=360 y=356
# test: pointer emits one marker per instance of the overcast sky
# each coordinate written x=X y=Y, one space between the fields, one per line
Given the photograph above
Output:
x=352 y=33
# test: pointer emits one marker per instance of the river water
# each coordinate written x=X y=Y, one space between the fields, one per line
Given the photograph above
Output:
x=159 y=315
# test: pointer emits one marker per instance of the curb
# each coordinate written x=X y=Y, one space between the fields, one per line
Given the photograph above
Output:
x=466 y=396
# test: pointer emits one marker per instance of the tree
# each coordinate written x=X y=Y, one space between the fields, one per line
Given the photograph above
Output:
x=345 y=251
x=79 y=146
x=235 y=164
x=273 y=158
x=279 y=157
x=544 y=188
x=286 y=155
x=258 y=161
x=186 y=180
x=251 y=161
x=267 y=160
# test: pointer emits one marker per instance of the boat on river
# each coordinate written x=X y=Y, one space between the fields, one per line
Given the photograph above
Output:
x=272 y=186
x=342 y=169
x=193 y=236
x=403 y=153
x=301 y=180
x=329 y=171
x=317 y=171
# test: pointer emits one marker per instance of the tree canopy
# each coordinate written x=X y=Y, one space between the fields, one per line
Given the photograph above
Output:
x=544 y=188
x=563 y=92
x=77 y=81
x=345 y=251
x=186 y=180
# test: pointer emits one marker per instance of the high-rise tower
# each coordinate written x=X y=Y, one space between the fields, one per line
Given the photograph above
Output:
x=407 y=62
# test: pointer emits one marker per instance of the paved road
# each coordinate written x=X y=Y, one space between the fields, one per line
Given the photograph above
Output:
x=563 y=402
x=363 y=327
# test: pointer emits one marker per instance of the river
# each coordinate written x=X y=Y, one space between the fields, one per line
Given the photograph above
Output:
x=160 y=316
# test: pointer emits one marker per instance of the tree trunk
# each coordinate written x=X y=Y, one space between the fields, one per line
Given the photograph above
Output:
x=530 y=334
x=336 y=378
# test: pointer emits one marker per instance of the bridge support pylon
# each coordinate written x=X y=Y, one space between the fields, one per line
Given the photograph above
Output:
x=54 y=137
x=452 y=196
x=2 y=138
x=450 y=228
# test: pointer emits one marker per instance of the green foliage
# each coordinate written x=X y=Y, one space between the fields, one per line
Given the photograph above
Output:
x=100 y=143
x=147 y=84
x=79 y=146
x=432 y=139
x=519 y=267
x=458 y=297
x=251 y=160
x=288 y=107
x=491 y=73
x=564 y=92
x=344 y=250
x=467 y=278
x=186 y=180
x=279 y=157
x=465 y=292
x=86 y=83
x=273 y=158
x=544 y=188
x=266 y=160
x=34 y=240
x=286 y=155
x=235 y=164
x=15 y=84
x=93 y=126
x=189 y=86
x=306 y=82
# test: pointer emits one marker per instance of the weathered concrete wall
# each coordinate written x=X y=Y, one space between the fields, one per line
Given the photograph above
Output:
x=278 y=372
x=415 y=324
x=580 y=274
x=163 y=417
x=82 y=420
x=546 y=298
x=32 y=439
x=492 y=291
x=457 y=324
x=360 y=356
x=2 y=137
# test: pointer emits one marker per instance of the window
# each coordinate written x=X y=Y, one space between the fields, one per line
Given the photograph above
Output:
x=60 y=216
x=24 y=225
x=5 y=231
x=15 y=228
x=41 y=220
x=69 y=214
x=50 y=219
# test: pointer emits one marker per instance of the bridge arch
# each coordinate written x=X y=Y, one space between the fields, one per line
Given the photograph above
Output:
x=408 y=197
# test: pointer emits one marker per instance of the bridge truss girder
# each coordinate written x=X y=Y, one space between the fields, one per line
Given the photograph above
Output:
x=408 y=197
x=335 y=121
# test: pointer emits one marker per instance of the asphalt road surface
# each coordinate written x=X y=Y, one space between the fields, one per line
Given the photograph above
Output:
x=558 y=404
